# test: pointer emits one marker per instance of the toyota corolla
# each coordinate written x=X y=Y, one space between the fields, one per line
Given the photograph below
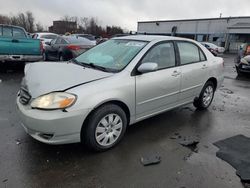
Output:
x=96 y=96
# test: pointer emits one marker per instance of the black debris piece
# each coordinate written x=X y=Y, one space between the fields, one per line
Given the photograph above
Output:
x=188 y=108
x=235 y=150
x=175 y=136
x=150 y=160
x=190 y=142
x=5 y=180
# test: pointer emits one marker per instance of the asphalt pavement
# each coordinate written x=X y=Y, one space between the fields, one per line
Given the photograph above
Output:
x=25 y=162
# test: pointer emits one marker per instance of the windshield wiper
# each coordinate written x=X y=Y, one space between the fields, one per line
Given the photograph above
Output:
x=99 y=67
x=92 y=65
x=76 y=62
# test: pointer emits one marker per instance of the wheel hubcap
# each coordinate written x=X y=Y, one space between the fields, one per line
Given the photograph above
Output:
x=108 y=129
x=208 y=95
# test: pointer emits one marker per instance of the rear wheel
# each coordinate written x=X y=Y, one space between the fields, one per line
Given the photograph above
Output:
x=105 y=128
x=61 y=58
x=206 y=96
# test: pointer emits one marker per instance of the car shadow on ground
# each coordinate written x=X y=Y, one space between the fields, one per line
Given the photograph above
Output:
x=9 y=67
x=245 y=77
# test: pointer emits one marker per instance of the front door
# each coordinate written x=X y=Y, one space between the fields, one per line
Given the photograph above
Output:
x=157 y=91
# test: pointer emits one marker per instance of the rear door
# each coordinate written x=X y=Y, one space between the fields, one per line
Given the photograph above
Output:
x=53 y=48
x=159 y=90
x=193 y=65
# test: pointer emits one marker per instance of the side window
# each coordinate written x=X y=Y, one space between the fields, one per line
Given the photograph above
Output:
x=53 y=41
x=63 y=41
x=7 y=31
x=163 y=54
x=58 y=41
x=202 y=56
x=189 y=53
x=18 y=33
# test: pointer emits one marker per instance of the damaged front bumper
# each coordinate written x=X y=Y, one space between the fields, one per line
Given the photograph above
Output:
x=52 y=127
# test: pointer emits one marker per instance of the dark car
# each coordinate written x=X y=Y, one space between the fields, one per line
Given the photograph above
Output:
x=212 y=50
x=64 y=48
x=242 y=63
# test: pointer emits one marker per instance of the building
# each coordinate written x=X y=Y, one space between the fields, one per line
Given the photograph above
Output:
x=228 y=32
x=62 y=27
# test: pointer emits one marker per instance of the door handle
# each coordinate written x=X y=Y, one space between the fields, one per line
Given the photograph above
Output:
x=176 y=73
x=15 y=40
x=204 y=66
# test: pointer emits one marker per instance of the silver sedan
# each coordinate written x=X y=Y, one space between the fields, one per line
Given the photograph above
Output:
x=96 y=96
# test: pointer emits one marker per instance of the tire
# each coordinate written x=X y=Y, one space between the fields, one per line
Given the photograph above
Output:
x=61 y=57
x=238 y=71
x=207 y=92
x=44 y=56
x=99 y=134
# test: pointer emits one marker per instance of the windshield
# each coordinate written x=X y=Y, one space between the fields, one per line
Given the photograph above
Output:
x=113 y=54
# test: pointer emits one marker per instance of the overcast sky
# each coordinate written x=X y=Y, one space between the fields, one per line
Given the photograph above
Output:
x=126 y=13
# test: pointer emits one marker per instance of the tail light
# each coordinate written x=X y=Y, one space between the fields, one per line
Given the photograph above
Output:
x=41 y=47
x=248 y=50
x=73 y=47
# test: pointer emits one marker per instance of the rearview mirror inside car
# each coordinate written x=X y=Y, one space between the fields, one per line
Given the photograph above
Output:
x=147 y=67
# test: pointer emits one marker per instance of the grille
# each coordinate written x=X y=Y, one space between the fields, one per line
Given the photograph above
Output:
x=24 y=96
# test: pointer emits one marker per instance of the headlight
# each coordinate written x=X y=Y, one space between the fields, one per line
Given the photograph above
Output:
x=55 y=100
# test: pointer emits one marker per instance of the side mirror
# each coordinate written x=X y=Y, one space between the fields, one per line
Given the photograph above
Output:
x=48 y=43
x=147 y=67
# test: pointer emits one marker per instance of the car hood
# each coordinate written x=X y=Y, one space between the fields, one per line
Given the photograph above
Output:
x=45 y=77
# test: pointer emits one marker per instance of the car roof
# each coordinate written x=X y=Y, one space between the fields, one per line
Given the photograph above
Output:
x=6 y=25
x=46 y=33
x=150 y=38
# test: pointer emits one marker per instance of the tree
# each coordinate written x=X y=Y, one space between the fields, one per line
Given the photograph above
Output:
x=39 y=27
x=30 y=21
x=4 y=19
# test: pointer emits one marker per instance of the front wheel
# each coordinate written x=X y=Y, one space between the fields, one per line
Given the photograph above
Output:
x=206 y=96
x=238 y=71
x=105 y=128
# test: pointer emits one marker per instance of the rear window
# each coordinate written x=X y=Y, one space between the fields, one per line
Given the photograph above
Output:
x=78 y=40
x=90 y=37
x=189 y=53
x=48 y=36
x=18 y=33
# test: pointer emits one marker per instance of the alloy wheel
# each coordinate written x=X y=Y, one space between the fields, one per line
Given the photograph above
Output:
x=108 y=130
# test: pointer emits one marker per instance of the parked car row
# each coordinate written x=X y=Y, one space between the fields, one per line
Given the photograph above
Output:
x=18 y=45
